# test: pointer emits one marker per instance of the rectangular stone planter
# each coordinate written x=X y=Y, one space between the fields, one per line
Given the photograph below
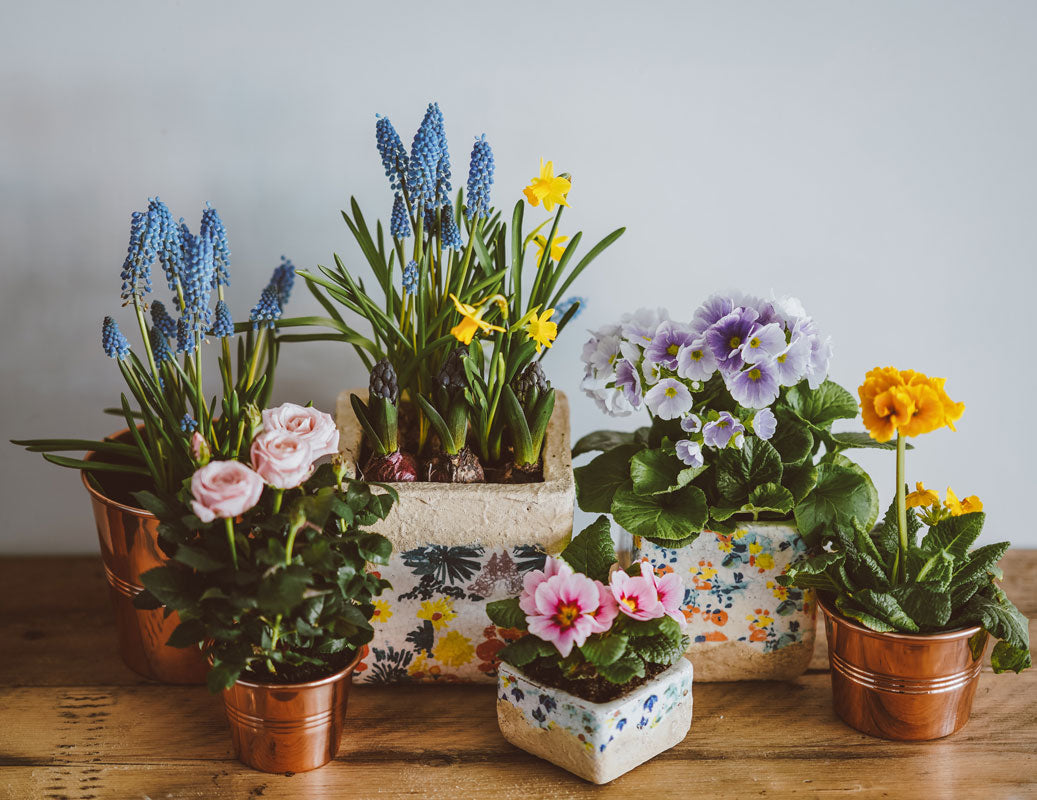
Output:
x=457 y=547
x=597 y=741
x=743 y=626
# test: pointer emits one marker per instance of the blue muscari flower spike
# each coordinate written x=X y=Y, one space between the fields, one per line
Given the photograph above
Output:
x=443 y=163
x=424 y=159
x=188 y=424
x=114 y=343
x=159 y=346
x=390 y=148
x=399 y=226
x=161 y=320
x=212 y=227
x=448 y=227
x=283 y=280
x=170 y=245
x=410 y=277
x=480 y=179
x=145 y=231
x=223 y=325
x=197 y=278
x=184 y=336
x=568 y=303
x=268 y=310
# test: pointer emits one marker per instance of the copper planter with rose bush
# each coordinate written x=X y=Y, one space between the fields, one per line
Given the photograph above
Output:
x=907 y=687
x=129 y=547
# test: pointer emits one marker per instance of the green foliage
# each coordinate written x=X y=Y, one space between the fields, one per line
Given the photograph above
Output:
x=640 y=481
x=947 y=586
x=619 y=654
x=300 y=592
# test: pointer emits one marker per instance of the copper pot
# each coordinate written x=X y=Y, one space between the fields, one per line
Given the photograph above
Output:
x=289 y=727
x=903 y=686
x=129 y=547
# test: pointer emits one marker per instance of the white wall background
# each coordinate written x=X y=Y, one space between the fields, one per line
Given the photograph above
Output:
x=876 y=159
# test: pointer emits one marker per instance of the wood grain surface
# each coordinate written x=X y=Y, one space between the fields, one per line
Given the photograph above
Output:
x=75 y=723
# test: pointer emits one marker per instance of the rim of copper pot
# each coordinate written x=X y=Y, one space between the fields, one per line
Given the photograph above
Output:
x=90 y=456
x=308 y=684
x=957 y=633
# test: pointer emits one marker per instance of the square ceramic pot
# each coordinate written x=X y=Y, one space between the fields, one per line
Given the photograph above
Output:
x=742 y=624
x=597 y=741
x=457 y=547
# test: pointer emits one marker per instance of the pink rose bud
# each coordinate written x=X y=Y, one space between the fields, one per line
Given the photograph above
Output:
x=282 y=459
x=200 y=452
x=224 y=489
x=315 y=427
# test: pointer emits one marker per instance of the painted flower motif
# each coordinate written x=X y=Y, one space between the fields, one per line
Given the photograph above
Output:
x=764 y=342
x=565 y=605
x=667 y=342
x=557 y=247
x=668 y=399
x=382 y=611
x=533 y=578
x=472 y=321
x=541 y=330
x=922 y=497
x=628 y=380
x=636 y=597
x=690 y=452
x=719 y=432
x=439 y=612
x=764 y=423
x=757 y=386
x=547 y=188
x=670 y=590
x=695 y=361
x=454 y=650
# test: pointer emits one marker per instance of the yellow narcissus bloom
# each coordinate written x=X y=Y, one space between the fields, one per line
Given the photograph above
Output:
x=471 y=322
x=557 y=246
x=965 y=506
x=546 y=188
x=541 y=330
x=905 y=402
x=922 y=497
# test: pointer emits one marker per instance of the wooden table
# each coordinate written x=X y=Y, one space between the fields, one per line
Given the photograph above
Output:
x=75 y=723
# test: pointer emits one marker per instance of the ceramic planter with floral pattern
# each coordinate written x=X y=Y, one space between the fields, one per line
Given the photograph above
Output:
x=457 y=547
x=597 y=741
x=742 y=624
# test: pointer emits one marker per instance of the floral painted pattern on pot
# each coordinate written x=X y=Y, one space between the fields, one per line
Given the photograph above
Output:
x=732 y=595
x=432 y=625
x=598 y=741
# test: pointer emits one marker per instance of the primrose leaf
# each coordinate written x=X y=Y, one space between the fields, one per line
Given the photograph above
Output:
x=672 y=516
x=1002 y=620
x=885 y=606
x=841 y=496
x=741 y=471
x=656 y=472
x=927 y=604
x=506 y=614
x=591 y=551
x=598 y=481
x=770 y=497
x=605 y=440
x=604 y=650
x=954 y=535
x=792 y=439
x=848 y=609
x=526 y=650
x=821 y=406
x=625 y=669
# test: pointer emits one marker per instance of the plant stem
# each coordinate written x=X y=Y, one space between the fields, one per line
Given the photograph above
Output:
x=254 y=360
x=278 y=497
x=901 y=508
x=144 y=333
x=229 y=525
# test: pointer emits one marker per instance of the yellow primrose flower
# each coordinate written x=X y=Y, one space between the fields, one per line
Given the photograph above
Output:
x=541 y=330
x=557 y=247
x=471 y=321
x=454 y=650
x=381 y=611
x=967 y=506
x=922 y=497
x=547 y=188
x=905 y=402
x=439 y=612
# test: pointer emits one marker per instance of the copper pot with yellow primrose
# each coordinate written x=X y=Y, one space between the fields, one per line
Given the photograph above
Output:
x=292 y=727
x=908 y=687
x=128 y=538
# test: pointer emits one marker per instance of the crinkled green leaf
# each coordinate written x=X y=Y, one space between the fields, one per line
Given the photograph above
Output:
x=607 y=440
x=811 y=572
x=657 y=472
x=604 y=650
x=506 y=613
x=840 y=496
x=623 y=670
x=955 y=535
x=821 y=406
x=849 y=609
x=792 y=439
x=800 y=479
x=671 y=516
x=591 y=551
x=525 y=650
x=1002 y=620
x=926 y=604
x=739 y=471
x=770 y=497
x=598 y=481
x=885 y=606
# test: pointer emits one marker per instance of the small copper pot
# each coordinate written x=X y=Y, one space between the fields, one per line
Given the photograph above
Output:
x=289 y=727
x=129 y=547
x=908 y=687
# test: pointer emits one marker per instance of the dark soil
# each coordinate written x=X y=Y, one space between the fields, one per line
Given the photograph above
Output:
x=596 y=689
x=300 y=673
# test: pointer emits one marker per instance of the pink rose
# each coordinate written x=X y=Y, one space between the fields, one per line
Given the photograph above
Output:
x=224 y=489
x=315 y=427
x=282 y=459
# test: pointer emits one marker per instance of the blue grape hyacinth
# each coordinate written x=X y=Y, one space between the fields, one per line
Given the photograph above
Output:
x=480 y=179
x=184 y=336
x=223 y=325
x=159 y=346
x=188 y=424
x=268 y=310
x=170 y=245
x=399 y=225
x=410 y=277
x=161 y=320
x=424 y=158
x=448 y=227
x=390 y=148
x=197 y=278
x=212 y=227
x=114 y=343
x=283 y=280
x=140 y=255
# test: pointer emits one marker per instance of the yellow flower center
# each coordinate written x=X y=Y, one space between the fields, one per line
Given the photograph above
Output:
x=754 y=342
x=722 y=423
x=755 y=374
x=670 y=392
x=630 y=603
x=696 y=355
x=782 y=357
x=567 y=615
x=735 y=341
x=672 y=349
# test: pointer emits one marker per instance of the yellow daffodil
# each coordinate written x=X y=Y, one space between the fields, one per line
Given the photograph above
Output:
x=471 y=321
x=557 y=247
x=546 y=188
x=541 y=330
x=922 y=497
x=968 y=505
x=905 y=402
